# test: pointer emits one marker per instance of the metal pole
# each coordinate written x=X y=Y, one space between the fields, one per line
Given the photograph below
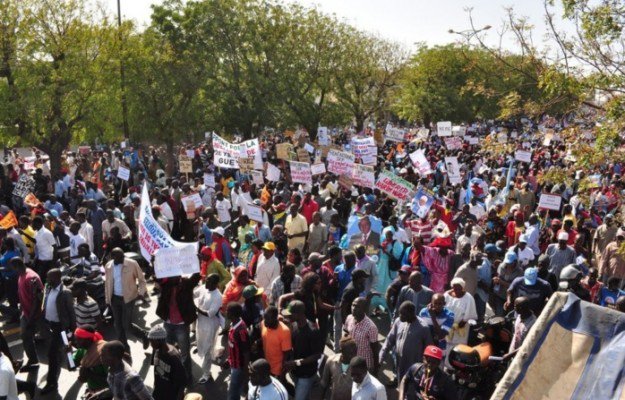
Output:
x=122 y=73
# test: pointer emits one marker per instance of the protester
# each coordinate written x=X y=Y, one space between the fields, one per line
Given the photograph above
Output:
x=208 y=302
x=170 y=374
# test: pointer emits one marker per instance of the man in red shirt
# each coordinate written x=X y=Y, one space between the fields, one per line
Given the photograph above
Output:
x=238 y=351
x=308 y=208
x=30 y=293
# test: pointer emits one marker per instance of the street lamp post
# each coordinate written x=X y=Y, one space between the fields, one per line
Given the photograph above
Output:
x=122 y=73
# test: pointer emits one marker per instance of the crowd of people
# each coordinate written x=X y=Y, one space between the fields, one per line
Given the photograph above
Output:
x=292 y=304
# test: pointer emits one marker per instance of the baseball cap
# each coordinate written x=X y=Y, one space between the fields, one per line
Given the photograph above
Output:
x=530 y=276
x=157 y=332
x=523 y=239
x=219 y=230
x=563 y=236
x=252 y=291
x=491 y=248
x=434 y=352
x=296 y=306
x=405 y=269
x=269 y=246
x=510 y=258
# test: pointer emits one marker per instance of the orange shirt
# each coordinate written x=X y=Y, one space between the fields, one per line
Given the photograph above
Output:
x=275 y=343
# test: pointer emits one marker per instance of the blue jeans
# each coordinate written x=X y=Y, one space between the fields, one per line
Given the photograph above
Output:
x=303 y=386
x=480 y=308
x=179 y=334
x=236 y=384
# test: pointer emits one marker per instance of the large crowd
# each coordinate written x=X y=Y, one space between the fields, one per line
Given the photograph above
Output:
x=298 y=280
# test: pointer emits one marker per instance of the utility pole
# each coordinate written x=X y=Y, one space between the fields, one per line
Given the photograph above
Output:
x=122 y=73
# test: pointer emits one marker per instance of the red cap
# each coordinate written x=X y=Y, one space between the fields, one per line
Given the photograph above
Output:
x=434 y=352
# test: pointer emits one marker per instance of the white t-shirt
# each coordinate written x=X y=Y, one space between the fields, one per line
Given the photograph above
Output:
x=273 y=391
x=74 y=242
x=8 y=384
x=44 y=246
x=223 y=210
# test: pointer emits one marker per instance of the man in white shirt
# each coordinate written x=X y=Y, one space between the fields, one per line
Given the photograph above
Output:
x=524 y=254
x=75 y=239
x=263 y=386
x=243 y=200
x=8 y=384
x=86 y=230
x=112 y=222
x=223 y=207
x=268 y=267
x=44 y=247
x=365 y=386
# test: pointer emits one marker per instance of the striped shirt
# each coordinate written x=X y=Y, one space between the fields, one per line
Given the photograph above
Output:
x=364 y=333
x=421 y=228
x=445 y=321
x=274 y=391
x=86 y=312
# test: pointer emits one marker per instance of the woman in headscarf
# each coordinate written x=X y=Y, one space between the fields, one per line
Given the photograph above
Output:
x=211 y=265
x=462 y=304
x=234 y=288
x=89 y=343
x=208 y=301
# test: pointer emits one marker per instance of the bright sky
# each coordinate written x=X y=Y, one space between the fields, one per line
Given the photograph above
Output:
x=405 y=21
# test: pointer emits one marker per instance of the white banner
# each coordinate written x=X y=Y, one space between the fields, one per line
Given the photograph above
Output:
x=273 y=173
x=300 y=172
x=226 y=153
x=251 y=149
x=340 y=162
x=176 y=261
x=394 y=134
x=443 y=128
x=453 y=170
x=364 y=175
x=364 y=147
x=550 y=201
x=322 y=136
x=151 y=236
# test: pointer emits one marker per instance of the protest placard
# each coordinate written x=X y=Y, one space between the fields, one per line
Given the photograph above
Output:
x=257 y=177
x=123 y=173
x=283 y=151
x=226 y=154
x=190 y=153
x=420 y=162
x=303 y=155
x=369 y=160
x=443 y=128
x=550 y=201
x=472 y=140
x=453 y=142
x=393 y=134
x=300 y=172
x=255 y=213
x=524 y=156
x=346 y=182
x=322 y=136
x=251 y=149
x=246 y=164
x=309 y=148
x=394 y=186
x=273 y=173
x=25 y=184
x=453 y=170
x=191 y=202
x=318 y=169
x=364 y=175
x=421 y=203
x=186 y=166
x=459 y=130
x=209 y=180
x=176 y=261
x=340 y=162
x=364 y=147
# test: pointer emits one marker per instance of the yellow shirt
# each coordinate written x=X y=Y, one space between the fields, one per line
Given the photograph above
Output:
x=28 y=239
x=294 y=226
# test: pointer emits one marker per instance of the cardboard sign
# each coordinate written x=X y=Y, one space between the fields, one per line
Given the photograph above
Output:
x=123 y=173
x=186 y=166
x=255 y=213
x=420 y=162
x=209 y=180
x=273 y=173
x=472 y=140
x=340 y=162
x=364 y=176
x=303 y=155
x=251 y=149
x=318 y=169
x=25 y=184
x=443 y=128
x=346 y=182
x=191 y=202
x=257 y=177
x=369 y=160
x=300 y=172
x=176 y=261
x=226 y=154
x=322 y=136
x=453 y=170
x=524 y=156
x=394 y=134
x=459 y=130
x=283 y=151
x=550 y=201
x=453 y=143
x=246 y=164
x=394 y=186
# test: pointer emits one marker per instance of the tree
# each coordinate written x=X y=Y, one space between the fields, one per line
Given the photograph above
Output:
x=56 y=59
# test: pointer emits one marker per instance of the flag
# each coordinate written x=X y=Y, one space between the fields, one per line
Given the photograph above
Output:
x=31 y=200
x=8 y=221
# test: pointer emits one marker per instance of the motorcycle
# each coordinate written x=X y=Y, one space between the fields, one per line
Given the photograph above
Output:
x=476 y=369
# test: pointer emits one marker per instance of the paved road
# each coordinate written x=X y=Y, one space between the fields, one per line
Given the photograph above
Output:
x=71 y=389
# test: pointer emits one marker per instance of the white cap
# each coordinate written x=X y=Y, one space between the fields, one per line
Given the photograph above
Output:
x=219 y=230
x=563 y=236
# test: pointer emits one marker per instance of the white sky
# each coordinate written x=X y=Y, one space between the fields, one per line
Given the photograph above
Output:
x=405 y=21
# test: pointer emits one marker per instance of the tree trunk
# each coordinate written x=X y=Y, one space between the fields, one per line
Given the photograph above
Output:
x=360 y=122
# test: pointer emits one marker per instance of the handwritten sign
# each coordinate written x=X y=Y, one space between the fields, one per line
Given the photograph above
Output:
x=176 y=261
x=25 y=184
x=318 y=169
x=524 y=156
x=340 y=162
x=303 y=155
x=459 y=130
x=209 y=180
x=123 y=173
x=246 y=164
x=283 y=151
x=346 y=182
x=186 y=166
x=251 y=149
x=364 y=175
x=255 y=213
x=443 y=128
x=300 y=172
x=393 y=134
x=394 y=186
x=226 y=154
x=364 y=147
x=550 y=201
